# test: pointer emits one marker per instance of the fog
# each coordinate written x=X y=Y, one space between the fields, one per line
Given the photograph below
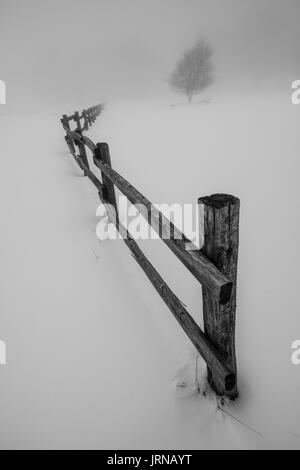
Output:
x=92 y=351
x=66 y=51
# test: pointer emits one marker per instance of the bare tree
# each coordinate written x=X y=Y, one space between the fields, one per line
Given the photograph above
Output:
x=193 y=73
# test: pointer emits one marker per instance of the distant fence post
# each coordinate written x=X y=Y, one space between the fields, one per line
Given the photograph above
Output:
x=77 y=120
x=86 y=124
x=81 y=146
x=89 y=117
x=65 y=123
x=221 y=240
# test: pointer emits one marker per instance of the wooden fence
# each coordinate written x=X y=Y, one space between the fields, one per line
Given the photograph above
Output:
x=214 y=266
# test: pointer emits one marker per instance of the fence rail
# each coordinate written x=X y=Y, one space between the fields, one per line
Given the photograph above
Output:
x=214 y=266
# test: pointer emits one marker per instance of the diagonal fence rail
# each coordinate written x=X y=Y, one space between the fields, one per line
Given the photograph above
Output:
x=214 y=266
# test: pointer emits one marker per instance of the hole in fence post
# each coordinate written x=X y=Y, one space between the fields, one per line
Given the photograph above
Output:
x=221 y=240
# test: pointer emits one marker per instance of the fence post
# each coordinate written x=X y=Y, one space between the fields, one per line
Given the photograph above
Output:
x=77 y=120
x=89 y=116
x=221 y=240
x=81 y=146
x=86 y=124
x=102 y=153
x=65 y=123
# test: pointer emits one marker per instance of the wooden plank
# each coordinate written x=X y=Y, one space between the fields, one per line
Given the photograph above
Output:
x=93 y=111
x=90 y=117
x=209 y=353
x=71 y=118
x=86 y=124
x=197 y=263
x=66 y=125
x=102 y=153
x=221 y=240
x=79 y=143
x=93 y=178
x=77 y=121
x=216 y=363
x=81 y=138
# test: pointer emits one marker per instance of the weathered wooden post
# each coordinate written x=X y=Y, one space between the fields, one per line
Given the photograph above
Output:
x=221 y=241
x=86 y=124
x=80 y=145
x=102 y=153
x=66 y=124
x=88 y=118
x=77 y=120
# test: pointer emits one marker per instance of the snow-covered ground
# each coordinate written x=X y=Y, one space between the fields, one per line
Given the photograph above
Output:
x=91 y=349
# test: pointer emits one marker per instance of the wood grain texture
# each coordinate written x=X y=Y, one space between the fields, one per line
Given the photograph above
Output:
x=66 y=126
x=80 y=143
x=196 y=262
x=102 y=153
x=215 y=265
x=86 y=124
x=204 y=347
x=93 y=178
x=221 y=241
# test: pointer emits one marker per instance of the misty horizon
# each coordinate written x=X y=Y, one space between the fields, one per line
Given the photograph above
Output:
x=86 y=52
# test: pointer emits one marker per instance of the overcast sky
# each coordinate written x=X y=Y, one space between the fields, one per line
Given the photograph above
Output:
x=77 y=50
